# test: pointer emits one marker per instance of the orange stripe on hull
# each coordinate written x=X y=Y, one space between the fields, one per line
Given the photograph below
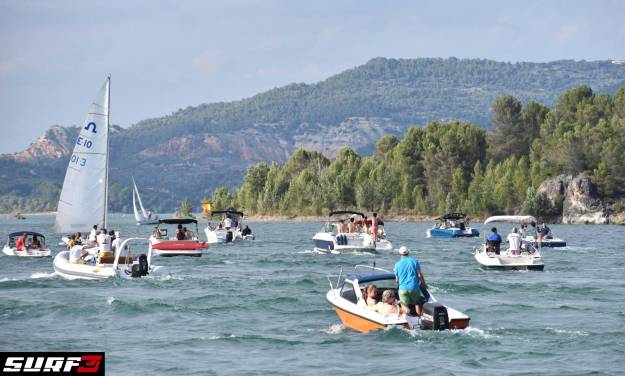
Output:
x=356 y=322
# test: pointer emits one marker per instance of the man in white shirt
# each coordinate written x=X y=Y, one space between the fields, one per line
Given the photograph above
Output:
x=104 y=241
x=514 y=239
x=117 y=243
x=227 y=222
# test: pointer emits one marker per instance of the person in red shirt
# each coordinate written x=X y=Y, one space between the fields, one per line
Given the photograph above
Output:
x=20 y=244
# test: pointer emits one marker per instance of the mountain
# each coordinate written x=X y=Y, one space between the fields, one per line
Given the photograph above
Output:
x=194 y=150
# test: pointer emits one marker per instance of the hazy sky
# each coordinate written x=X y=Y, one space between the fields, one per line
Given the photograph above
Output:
x=166 y=55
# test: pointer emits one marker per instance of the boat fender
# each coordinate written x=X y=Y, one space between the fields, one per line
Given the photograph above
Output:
x=434 y=316
x=229 y=237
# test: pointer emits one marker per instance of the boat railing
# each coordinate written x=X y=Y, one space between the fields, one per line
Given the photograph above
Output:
x=371 y=267
x=338 y=281
x=123 y=246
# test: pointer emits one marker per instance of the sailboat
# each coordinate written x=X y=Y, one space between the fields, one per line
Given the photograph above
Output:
x=143 y=217
x=84 y=201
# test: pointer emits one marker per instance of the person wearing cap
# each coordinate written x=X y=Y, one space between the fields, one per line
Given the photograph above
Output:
x=410 y=279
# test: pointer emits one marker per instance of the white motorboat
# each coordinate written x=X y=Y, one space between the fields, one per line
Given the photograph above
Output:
x=179 y=244
x=34 y=245
x=228 y=229
x=490 y=255
x=145 y=216
x=346 y=297
x=84 y=198
x=117 y=266
x=334 y=237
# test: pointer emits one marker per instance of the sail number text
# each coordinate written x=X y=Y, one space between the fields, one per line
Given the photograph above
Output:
x=84 y=142
x=78 y=160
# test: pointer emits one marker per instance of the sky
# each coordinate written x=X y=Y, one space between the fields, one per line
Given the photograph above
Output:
x=167 y=55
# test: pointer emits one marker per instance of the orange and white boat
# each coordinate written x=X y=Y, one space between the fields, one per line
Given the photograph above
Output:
x=348 y=302
x=163 y=245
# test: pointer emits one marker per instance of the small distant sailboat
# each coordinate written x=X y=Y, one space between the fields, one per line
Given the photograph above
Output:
x=144 y=217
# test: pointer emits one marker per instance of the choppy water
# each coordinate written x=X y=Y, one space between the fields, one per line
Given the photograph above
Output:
x=258 y=307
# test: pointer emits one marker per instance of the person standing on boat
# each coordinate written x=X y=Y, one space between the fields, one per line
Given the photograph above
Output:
x=514 y=239
x=410 y=279
x=104 y=242
x=374 y=227
x=351 y=226
x=93 y=234
x=341 y=226
x=20 y=244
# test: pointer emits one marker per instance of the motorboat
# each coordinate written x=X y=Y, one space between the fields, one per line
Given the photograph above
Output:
x=116 y=266
x=334 y=237
x=490 y=255
x=162 y=244
x=142 y=216
x=452 y=225
x=228 y=228
x=382 y=243
x=544 y=238
x=346 y=297
x=28 y=249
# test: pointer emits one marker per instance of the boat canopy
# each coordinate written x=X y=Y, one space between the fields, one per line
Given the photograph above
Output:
x=228 y=211
x=370 y=277
x=27 y=233
x=511 y=219
x=177 y=221
x=340 y=212
x=452 y=216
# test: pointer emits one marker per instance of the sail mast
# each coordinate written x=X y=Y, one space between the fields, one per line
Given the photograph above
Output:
x=106 y=164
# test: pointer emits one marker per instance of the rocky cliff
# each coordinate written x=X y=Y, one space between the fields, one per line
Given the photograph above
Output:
x=576 y=200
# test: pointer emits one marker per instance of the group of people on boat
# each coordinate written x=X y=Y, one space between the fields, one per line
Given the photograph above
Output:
x=515 y=238
x=99 y=245
x=24 y=242
x=371 y=226
x=410 y=279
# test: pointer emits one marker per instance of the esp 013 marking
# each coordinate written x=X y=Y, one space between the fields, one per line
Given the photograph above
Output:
x=52 y=363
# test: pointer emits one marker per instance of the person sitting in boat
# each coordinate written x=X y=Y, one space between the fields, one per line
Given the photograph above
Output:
x=79 y=255
x=341 y=226
x=70 y=241
x=93 y=234
x=543 y=232
x=523 y=231
x=387 y=305
x=20 y=244
x=34 y=243
x=246 y=231
x=410 y=278
x=371 y=295
x=179 y=232
x=157 y=232
x=351 y=226
x=188 y=234
x=514 y=240
x=78 y=238
x=493 y=241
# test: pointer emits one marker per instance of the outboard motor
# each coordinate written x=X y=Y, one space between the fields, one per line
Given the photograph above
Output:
x=140 y=269
x=229 y=237
x=434 y=317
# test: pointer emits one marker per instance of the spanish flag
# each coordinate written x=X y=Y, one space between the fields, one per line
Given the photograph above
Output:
x=206 y=206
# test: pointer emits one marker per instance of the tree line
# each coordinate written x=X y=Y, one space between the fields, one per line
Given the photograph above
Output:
x=453 y=165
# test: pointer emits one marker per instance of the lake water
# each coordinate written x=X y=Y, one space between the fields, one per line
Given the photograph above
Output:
x=258 y=307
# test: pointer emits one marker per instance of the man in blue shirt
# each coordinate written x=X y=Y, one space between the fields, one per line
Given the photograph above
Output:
x=409 y=276
x=493 y=240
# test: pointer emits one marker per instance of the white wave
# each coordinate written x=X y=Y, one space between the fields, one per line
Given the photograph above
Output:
x=334 y=329
x=42 y=275
x=474 y=332
x=221 y=337
x=579 y=333
x=110 y=300
x=228 y=262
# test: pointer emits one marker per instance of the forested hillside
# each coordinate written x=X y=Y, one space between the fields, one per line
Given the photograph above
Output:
x=191 y=152
x=454 y=166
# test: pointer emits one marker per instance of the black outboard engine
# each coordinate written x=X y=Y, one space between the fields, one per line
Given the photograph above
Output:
x=434 y=317
x=229 y=237
x=141 y=268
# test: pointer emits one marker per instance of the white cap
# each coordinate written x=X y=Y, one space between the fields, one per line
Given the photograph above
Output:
x=117 y=233
x=403 y=250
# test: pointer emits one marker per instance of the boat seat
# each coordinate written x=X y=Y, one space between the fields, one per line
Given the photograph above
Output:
x=111 y=259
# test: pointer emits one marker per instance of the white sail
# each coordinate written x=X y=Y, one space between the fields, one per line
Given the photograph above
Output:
x=134 y=207
x=83 y=200
x=136 y=189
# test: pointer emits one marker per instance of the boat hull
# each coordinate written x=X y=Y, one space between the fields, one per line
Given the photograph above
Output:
x=169 y=248
x=343 y=243
x=221 y=235
x=12 y=251
x=67 y=270
x=505 y=262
